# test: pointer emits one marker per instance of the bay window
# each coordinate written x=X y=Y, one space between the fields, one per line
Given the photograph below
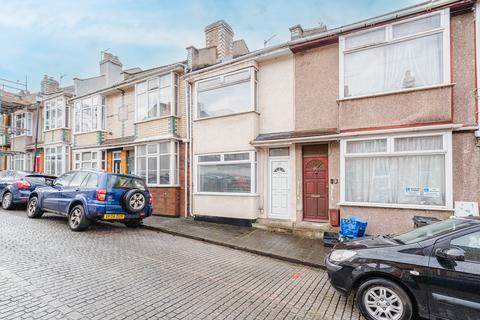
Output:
x=22 y=124
x=56 y=114
x=95 y=160
x=227 y=173
x=227 y=94
x=403 y=55
x=90 y=114
x=21 y=162
x=157 y=163
x=398 y=170
x=56 y=160
x=156 y=97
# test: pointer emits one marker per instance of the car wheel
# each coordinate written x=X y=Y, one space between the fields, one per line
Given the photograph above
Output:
x=134 y=201
x=381 y=299
x=133 y=223
x=33 y=210
x=77 y=219
x=7 y=202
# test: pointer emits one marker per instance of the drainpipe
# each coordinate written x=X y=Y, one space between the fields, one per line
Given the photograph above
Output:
x=190 y=152
x=185 y=152
x=38 y=100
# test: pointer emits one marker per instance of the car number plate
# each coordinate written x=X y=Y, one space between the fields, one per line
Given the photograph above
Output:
x=111 y=216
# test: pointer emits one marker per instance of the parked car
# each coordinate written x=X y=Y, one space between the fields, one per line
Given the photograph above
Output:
x=432 y=272
x=85 y=196
x=16 y=186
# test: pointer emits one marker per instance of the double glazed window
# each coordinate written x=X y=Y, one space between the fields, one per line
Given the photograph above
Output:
x=90 y=160
x=156 y=97
x=55 y=162
x=158 y=163
x=23 y=124
x=227 y=173
x=227 y=94
x=21 y=162
x=55 y=114
x=89 y=114
x=413 y=170
x=403 y=55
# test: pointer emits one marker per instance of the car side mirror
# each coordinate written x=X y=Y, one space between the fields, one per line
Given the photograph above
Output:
x=452 y=253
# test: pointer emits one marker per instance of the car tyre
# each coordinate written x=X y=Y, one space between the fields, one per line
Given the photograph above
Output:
x=7 y=201
x=383 y=299
x=77 y=220
x=33 y=209
x=133 y=223
x=134 y=201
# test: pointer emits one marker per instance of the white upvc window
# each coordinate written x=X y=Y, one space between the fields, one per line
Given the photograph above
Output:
x=95 y=160
x=22 y=124
x=231 y=93
x=89 y=114
x=55 y=114
x=56 y=160
x=227 y=173
x=156 y=97
x=21 y=162
x=403 y=55
x=157 y=163
x=411 y=171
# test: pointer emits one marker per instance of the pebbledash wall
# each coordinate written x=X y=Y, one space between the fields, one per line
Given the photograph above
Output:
x=448 y=108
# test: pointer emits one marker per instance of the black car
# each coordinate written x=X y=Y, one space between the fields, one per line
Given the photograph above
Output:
x=432 y=272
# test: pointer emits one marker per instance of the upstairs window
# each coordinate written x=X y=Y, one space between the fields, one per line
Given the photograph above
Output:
x=90 y=114
x=23 y=124
x=55 y=114
x=404 y=55
x=156 y=97
x=227 y=94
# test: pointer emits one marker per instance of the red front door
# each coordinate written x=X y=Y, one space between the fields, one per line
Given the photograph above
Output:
x=315 y=188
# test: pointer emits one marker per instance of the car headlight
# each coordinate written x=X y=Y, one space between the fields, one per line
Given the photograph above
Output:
x=341 y=255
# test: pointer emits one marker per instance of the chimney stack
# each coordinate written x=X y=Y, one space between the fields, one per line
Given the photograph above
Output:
x=220 y=35
x=49 y=85
x=111 y=68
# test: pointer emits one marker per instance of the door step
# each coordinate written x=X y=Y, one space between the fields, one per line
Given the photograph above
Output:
x=312 y=230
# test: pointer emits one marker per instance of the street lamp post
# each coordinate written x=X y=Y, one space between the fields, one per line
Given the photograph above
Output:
x=38 y=100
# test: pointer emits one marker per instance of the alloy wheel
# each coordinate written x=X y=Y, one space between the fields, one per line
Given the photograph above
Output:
x=75 y=217
x=383 y=303
x=7 y=200
x=32 y=206
x=137 y=201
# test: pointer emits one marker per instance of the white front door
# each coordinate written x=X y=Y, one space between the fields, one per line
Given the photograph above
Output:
x=279 y=187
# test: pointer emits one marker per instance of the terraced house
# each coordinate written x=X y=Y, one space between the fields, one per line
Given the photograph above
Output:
x=376 y=119
x=133 y=121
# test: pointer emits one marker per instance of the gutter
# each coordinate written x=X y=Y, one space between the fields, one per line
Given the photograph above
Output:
x=338 y=136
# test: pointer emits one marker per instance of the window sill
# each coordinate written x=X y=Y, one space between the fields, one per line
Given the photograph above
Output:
x=23 y=135
x=387 y=93
x=396 y=206
x=226 y=194
x=61 y=128
x=226 y=115
x=156 y=118
x=92 y=131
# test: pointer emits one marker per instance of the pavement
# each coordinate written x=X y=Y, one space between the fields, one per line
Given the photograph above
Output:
x=310 y=252
x=112 y=272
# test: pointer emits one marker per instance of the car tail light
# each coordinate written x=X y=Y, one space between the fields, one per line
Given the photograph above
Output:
x=150 y=199
x=23 y=184
x=101 y=194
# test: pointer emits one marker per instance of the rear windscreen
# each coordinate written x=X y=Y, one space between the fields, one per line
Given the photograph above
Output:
x=124 y=182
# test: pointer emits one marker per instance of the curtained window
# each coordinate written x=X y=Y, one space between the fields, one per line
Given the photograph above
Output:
x=397 y=56
x=396 y=170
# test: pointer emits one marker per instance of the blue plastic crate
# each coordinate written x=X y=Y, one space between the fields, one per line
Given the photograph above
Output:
x=353 y=227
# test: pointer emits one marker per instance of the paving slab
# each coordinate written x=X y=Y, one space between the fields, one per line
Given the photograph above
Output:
x=310 y=252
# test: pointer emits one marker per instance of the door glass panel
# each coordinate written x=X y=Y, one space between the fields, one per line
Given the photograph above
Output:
x=471 y=244
x=278 y=152
x=64 y=180
x=91 y=181
x=78 y=179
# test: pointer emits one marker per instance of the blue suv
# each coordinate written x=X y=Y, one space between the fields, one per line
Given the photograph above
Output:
x=85 y=196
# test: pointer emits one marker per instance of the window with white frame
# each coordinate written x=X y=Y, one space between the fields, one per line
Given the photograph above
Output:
x=22 y=124
x=227 y=173
x=56 y=160
x=55 y=114
x=21 y=162
x=398 y=170
x=90 y=114
x=227 y=94
x=403 y=55
x=157 y=163
x=95 y=160
x=156 y=97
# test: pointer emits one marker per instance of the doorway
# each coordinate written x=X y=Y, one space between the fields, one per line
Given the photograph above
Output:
x=279 y=185
x=315 y=187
